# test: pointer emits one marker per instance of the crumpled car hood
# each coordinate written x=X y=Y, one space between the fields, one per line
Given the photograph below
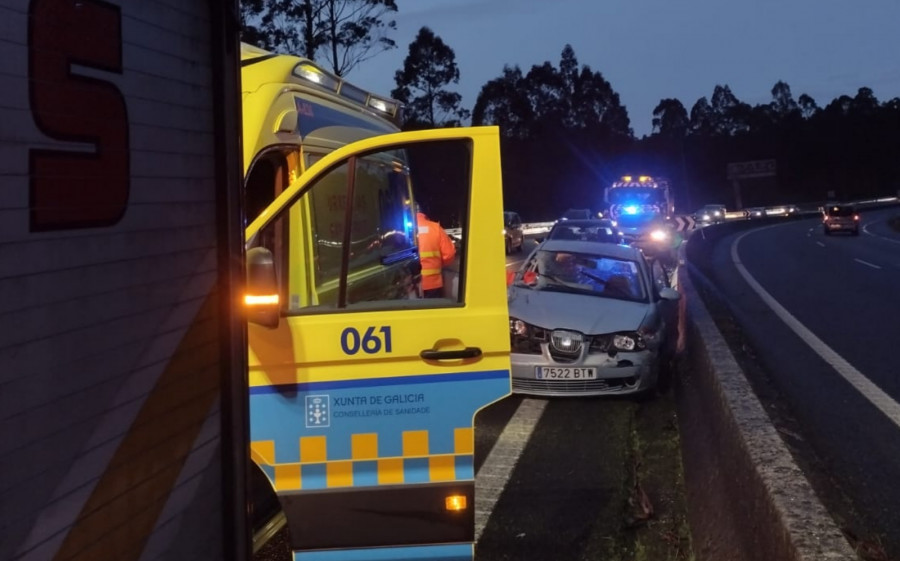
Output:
x=592 y=315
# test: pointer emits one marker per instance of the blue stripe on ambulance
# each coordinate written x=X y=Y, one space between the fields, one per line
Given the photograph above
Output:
x=410 y=418
x=455 y=552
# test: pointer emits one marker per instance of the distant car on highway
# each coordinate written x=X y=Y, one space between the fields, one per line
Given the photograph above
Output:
x=513 y=232
x=710 y=214
x=589 y=318
x=576 y=214
x=588 y=230
x=840 y=218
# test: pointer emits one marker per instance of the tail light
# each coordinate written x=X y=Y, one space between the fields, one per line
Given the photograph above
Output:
x=855 y=217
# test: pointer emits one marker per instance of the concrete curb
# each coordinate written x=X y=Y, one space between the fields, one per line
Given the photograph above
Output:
x=747 y=498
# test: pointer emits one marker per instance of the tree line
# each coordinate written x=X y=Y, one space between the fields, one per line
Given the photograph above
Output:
x=566 y=134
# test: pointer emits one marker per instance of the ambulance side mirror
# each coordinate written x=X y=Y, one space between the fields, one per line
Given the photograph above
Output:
x=261 y=298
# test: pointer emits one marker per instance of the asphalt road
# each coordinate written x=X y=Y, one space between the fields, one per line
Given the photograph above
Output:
x=564 y=496
x=821 y=312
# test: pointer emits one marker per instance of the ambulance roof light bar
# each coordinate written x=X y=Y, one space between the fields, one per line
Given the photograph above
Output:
x=309 y=72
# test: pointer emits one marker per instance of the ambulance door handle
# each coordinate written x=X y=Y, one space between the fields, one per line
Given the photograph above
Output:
x=434 y=354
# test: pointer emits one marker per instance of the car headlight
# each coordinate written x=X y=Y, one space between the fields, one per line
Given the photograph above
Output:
x=631 y=341
x=518 y=327
x=706 y=217
x=659 y=235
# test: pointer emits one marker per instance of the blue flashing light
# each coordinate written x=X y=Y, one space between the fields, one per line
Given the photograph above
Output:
x=631 y=209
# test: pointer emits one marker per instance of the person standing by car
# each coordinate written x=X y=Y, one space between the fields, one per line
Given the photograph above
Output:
x=436 y=251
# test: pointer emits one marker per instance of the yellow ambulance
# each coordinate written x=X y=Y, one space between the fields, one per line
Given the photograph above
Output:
x=362 y=394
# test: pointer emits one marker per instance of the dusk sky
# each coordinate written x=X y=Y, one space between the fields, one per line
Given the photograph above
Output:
x=653 y=49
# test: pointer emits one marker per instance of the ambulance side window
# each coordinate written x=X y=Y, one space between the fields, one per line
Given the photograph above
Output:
x=381 y=231
x=327 y=209
x=350 y=240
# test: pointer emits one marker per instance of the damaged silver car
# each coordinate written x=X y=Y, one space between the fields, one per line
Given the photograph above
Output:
x=589 y=318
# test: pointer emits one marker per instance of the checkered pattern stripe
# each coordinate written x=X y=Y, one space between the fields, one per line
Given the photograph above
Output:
x=365 y=468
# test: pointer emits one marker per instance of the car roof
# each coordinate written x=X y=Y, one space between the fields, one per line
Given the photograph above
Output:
x=599 y=248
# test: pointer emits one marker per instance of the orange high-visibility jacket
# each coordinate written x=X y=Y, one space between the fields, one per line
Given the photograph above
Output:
x=436 y=249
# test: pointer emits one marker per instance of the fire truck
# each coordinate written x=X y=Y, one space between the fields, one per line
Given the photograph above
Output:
x=643 y=206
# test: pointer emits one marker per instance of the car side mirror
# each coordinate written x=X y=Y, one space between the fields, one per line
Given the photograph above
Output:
x=668 y=293
x=261 y=299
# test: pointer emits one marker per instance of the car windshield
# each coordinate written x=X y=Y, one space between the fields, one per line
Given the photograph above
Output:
x=583 y=273
x=583 y=232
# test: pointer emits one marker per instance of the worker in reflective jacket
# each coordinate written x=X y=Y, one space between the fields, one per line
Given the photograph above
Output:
x=436 y=250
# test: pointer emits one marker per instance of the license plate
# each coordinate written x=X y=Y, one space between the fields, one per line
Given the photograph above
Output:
x=565 y=373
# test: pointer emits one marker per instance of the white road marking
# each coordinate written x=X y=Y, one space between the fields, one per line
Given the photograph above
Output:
x=497 y=467
x=866 y=263
x=820 y=243
x=863 y=385
x=865 y=229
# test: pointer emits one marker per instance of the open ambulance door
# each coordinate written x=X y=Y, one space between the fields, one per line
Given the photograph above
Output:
x=362 y=393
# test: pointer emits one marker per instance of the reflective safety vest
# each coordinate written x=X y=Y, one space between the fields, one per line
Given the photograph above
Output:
x=436 y=250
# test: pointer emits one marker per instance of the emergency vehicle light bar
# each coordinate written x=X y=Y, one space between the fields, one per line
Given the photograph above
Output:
x=312 y=73
x=387 y=106
x=309 y=72
x=350 y=91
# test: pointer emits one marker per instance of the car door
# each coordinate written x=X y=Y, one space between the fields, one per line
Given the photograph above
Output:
x=363 y=393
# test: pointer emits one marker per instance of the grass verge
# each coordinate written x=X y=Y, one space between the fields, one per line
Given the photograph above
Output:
x=663 y=534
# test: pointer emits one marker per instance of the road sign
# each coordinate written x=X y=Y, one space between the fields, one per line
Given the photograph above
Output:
x=684 y=223
x=755 y=168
